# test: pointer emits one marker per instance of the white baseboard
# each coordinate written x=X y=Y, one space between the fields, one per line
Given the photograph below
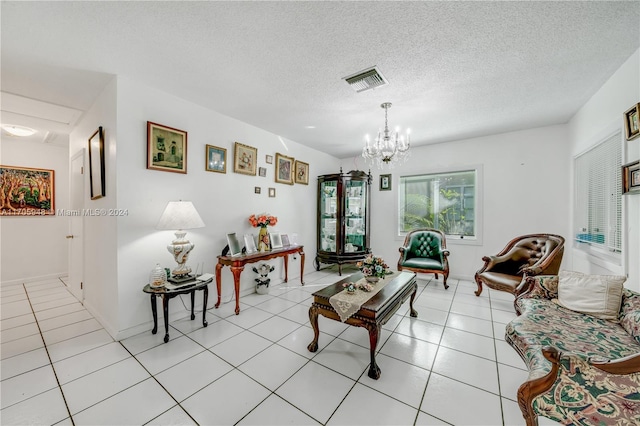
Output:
x=33 y=279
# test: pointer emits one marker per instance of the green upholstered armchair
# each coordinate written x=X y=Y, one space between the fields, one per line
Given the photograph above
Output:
x=425 y=250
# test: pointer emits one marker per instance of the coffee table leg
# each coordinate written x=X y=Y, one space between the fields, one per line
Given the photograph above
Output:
x=313 y=318
x=374 y=332
x=414 y=313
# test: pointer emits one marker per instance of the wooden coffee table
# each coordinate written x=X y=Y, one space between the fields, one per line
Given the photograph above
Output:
x=372 y=315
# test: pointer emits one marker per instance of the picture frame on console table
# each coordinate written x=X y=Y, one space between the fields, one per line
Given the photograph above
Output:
x=631 y=178
x=234 y=245
x=276 y=240
x=166 y=148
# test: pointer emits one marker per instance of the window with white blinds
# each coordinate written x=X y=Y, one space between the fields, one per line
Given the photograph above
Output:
x=598 y=208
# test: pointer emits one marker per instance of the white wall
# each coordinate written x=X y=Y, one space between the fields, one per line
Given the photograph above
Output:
x=603 y=112
x=224 y=201
x=99 y=236
x=525 y=190
x=35 y=247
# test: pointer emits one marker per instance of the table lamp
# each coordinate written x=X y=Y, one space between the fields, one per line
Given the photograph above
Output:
x=180 y=215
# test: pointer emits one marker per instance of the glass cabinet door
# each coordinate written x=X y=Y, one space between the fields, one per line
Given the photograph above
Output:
x=355 y=216
x=328 y=208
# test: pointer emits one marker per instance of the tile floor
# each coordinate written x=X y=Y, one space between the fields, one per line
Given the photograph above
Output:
x=448 y=366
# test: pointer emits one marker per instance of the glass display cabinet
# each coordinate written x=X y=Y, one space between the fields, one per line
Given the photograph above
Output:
x=343 y=218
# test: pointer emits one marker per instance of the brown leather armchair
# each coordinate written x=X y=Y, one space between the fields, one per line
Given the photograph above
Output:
x=527 y=255
x=425 y=250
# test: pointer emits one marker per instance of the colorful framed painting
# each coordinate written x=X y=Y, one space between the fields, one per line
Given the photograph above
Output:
x=96 y=165
x=632 y=122
x=216 y=159
x=284 y=169
x=26 y=192
x=245 y=159
x=631 y=178
x=302 y=172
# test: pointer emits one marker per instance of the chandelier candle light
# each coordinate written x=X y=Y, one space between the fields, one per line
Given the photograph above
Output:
x=388 y=147
x=180 y=215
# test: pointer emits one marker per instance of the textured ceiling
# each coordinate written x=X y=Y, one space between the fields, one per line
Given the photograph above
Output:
x=455 y=69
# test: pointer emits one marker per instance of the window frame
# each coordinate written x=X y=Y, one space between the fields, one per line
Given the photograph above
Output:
x=477 y=240
x=598 y=253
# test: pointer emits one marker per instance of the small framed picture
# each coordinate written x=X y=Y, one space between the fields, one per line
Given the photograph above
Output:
x=302 y=172
x=385 y=182
x=269 y=159
x=257 y=190
x=272 y=192
x=234 y=245
x=284 y=169
x=250 y=243
x=166 y=148
x=631 y=178
x=632 y=122
x=245 y=159
x=262 y=171
x=216 y=159
x=276 y=240
x=285 y=240
x=96 y=164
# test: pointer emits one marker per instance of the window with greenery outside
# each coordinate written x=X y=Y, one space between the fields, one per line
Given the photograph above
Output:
x=444 y=201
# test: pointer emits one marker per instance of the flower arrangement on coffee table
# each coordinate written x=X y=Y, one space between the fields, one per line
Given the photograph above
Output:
x=373 y=267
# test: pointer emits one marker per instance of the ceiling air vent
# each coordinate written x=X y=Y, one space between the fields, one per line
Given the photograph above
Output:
x=365 y=80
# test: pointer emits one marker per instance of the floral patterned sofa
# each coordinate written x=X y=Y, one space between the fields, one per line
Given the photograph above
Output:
x=583 y=370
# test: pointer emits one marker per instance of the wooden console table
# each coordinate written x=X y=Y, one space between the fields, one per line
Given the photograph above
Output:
x=236 y=263
x=373 y=314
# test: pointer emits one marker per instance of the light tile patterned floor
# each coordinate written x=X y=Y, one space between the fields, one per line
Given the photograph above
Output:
x=448 y=366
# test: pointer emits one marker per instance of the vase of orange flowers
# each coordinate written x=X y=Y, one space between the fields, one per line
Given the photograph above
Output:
x=263 y=220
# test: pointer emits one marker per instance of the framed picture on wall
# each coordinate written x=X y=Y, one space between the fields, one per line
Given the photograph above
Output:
x=27 y=191
x=385 y=182
x=262 y=171
x=245 y=159
x=284 y=169
x=272 y=192
x=631 y=178
x=96 y=164
x=632 y=122
x=302 y=172
x=216 y=159
x=166 y=148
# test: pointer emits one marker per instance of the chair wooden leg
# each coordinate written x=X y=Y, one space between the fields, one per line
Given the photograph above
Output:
x=445 y=276
x=479 y=283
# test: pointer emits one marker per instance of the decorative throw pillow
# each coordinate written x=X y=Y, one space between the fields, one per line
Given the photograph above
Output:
x=597 y=295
